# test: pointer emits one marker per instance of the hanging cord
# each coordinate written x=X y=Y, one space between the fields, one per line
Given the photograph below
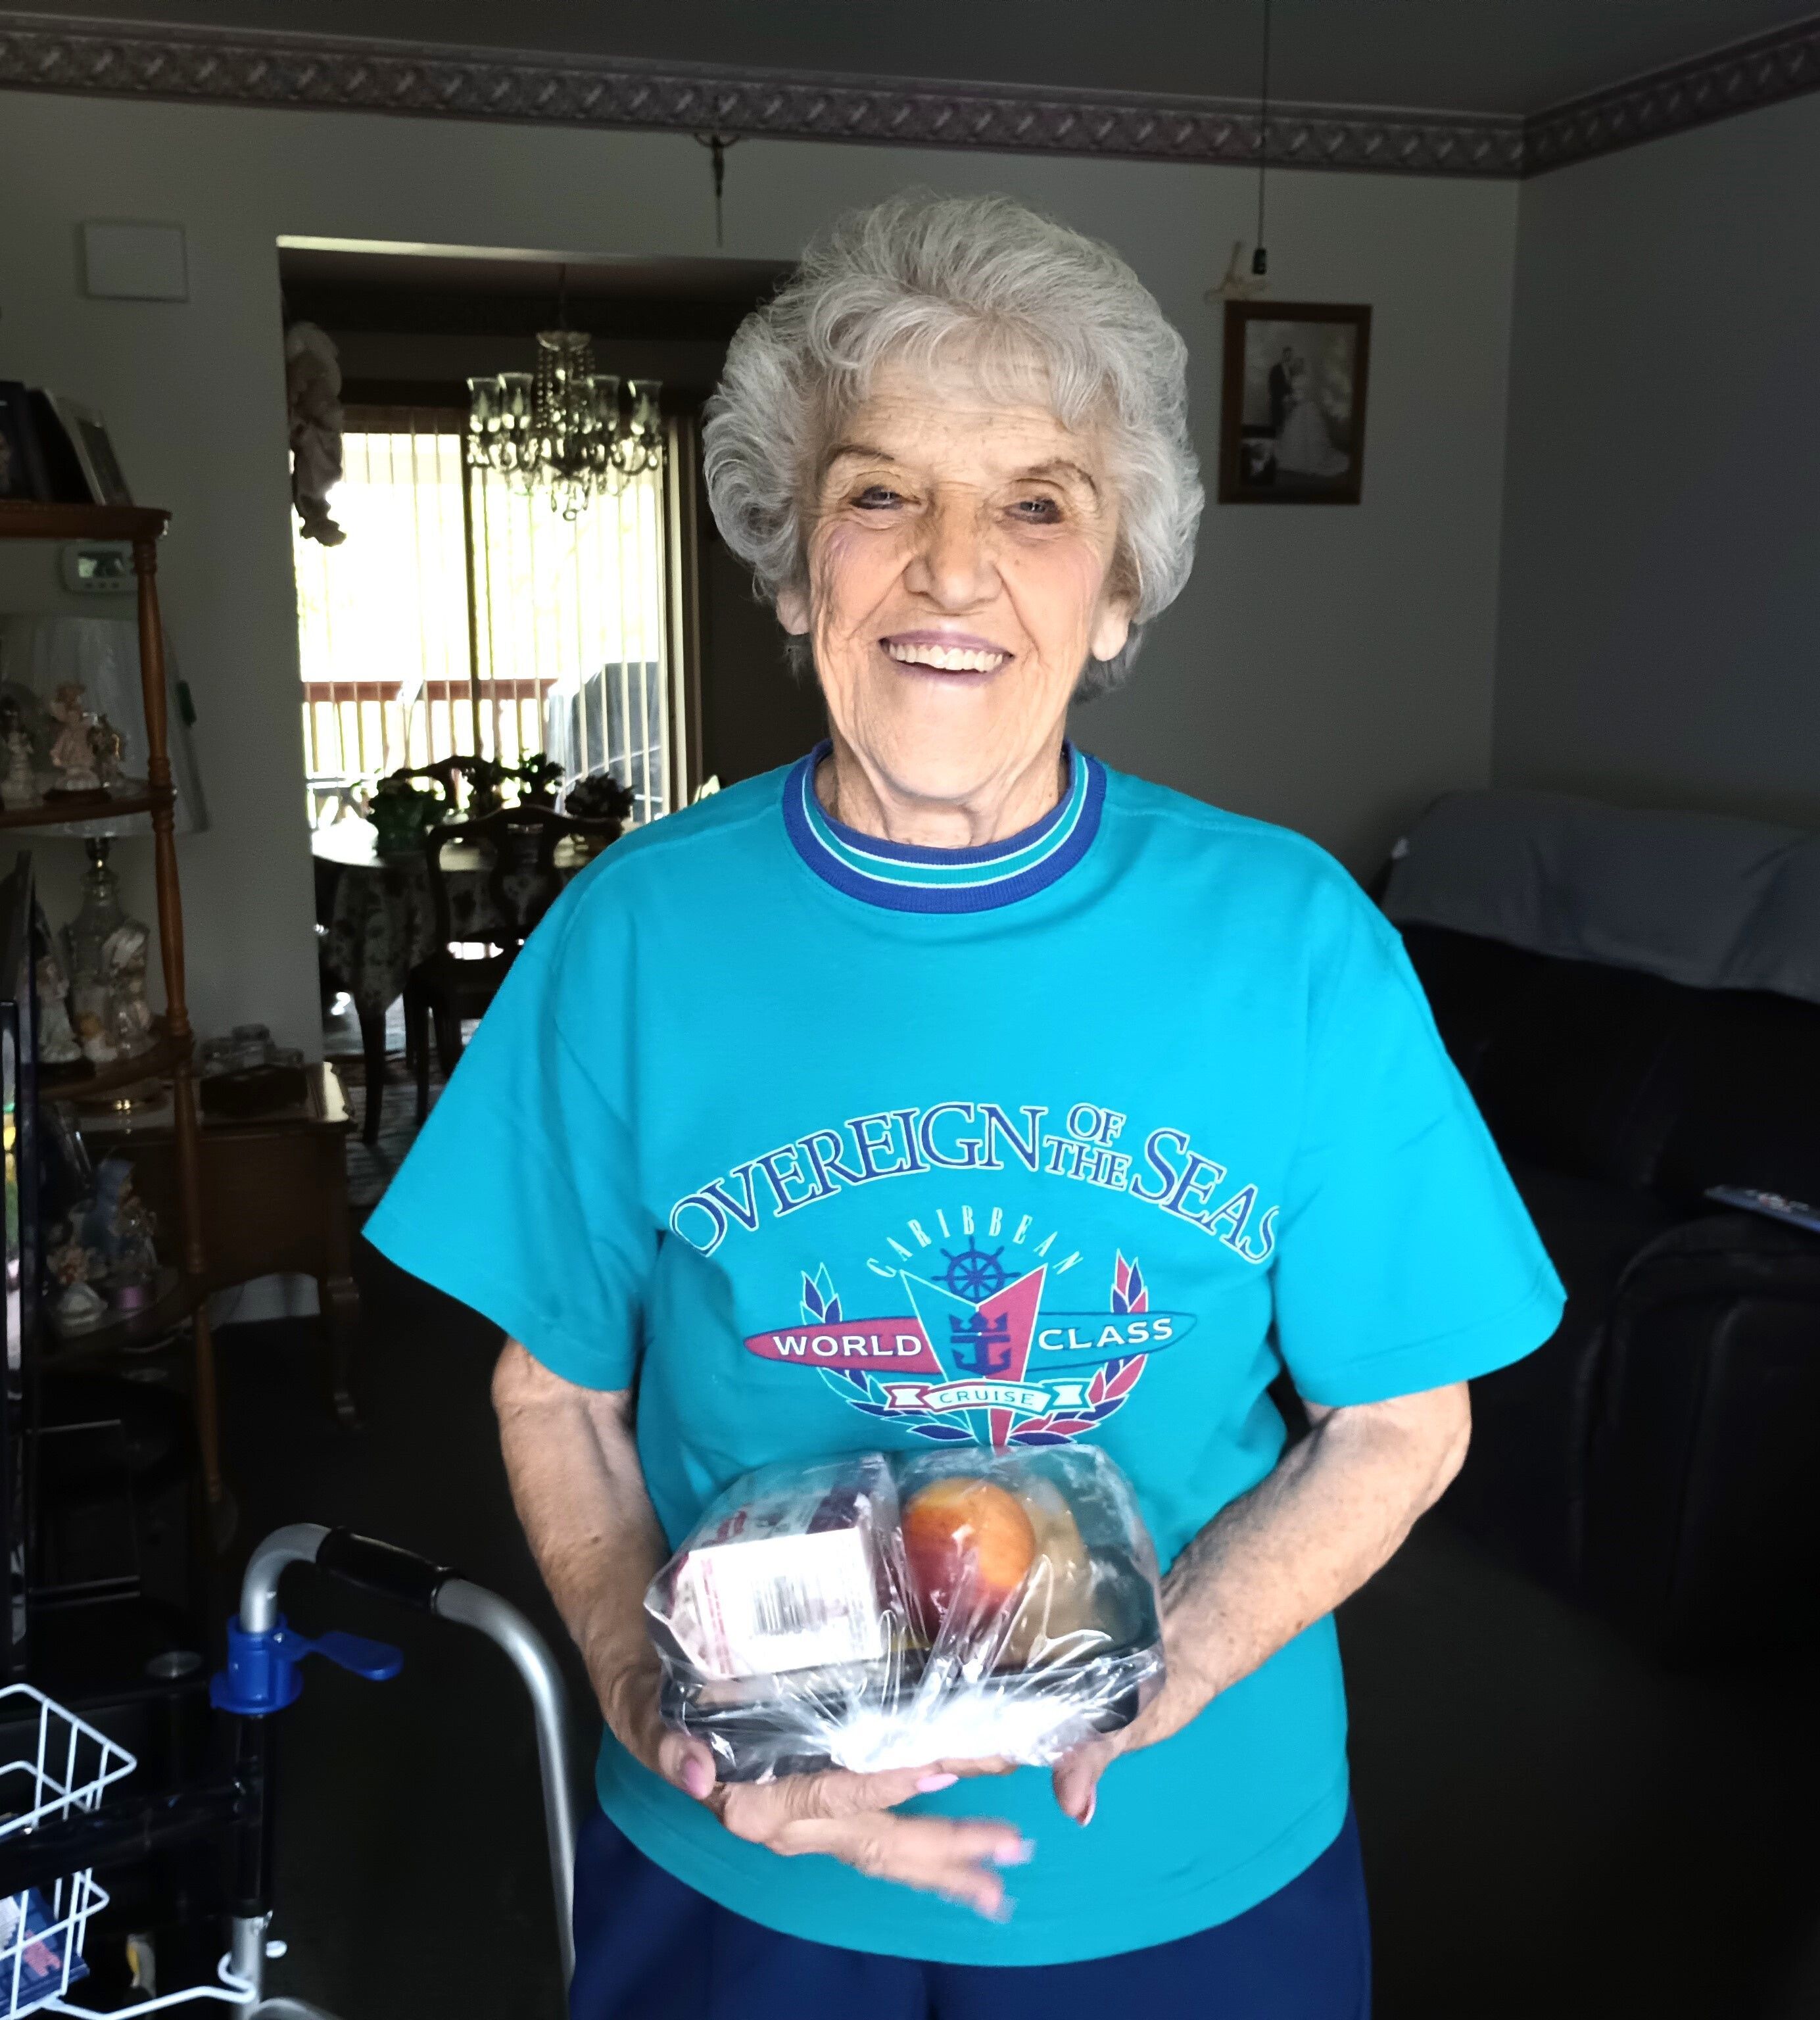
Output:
x=717 y=145
x=1260 y=260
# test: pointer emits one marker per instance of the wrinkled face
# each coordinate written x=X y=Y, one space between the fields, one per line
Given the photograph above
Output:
x=961 y=552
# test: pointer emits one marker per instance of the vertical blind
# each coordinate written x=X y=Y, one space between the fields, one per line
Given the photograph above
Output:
x=502 y=629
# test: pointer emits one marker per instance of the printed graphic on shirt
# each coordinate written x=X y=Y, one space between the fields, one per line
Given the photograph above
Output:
x=1077 y=1145
x=981 y=1355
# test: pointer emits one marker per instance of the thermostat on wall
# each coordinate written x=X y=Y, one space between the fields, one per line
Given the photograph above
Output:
x=98 y=566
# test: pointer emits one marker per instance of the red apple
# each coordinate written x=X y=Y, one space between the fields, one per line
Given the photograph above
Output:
x=965 y=1540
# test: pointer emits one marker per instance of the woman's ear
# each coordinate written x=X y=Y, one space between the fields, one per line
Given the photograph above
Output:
x=792 y=612
x=1112 y=627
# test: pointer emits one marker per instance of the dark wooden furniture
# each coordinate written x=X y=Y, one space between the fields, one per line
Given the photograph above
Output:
x=534 y=782
x=518 y=846
x=481 y=775
x=378 y=919
x=351 y=846
x=274 y=1195
x=144 y=525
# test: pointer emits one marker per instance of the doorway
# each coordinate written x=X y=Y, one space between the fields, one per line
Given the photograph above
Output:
x=459 y=618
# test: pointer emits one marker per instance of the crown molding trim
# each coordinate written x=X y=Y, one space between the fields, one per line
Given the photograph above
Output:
x=260 y=67
x=1784 y=63
x=51 y=52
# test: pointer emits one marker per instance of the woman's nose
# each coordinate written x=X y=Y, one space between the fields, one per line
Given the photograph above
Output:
x=952 y=565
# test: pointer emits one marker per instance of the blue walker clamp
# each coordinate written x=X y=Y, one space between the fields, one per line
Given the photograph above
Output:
x=261 y=1676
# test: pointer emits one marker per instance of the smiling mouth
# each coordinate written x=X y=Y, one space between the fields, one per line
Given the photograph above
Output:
x=946 y=658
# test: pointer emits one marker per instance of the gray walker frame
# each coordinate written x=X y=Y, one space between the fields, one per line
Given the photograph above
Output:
x=449 y=1598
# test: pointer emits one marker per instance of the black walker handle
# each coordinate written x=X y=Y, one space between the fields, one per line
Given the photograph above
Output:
x=369 y=1565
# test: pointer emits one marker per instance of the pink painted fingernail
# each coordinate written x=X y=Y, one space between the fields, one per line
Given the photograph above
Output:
x=696 y=1779
x=1092 y=1804
x=930 y=1783
x=1020 y=1853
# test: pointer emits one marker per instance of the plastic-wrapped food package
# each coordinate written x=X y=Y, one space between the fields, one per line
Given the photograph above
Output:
x=889 y=1609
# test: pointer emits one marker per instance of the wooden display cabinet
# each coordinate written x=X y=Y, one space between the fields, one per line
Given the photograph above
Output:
x=172 y=1059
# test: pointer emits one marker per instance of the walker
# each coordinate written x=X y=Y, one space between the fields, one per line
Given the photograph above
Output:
x=60 y=1828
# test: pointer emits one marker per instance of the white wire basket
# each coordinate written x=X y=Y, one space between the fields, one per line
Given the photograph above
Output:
x=41 y=1931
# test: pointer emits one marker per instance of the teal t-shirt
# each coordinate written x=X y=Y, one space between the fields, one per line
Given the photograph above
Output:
x=833 y=1145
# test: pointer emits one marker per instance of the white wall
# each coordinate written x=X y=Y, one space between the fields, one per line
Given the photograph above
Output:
x=1329 y=667
x=1660 y=633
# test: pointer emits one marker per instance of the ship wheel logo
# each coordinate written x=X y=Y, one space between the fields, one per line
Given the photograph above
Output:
x=975 y=1274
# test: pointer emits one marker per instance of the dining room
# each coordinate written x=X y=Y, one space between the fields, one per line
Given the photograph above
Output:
x=506 y=659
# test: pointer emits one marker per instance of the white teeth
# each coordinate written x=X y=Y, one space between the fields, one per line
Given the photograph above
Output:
x=948 y=658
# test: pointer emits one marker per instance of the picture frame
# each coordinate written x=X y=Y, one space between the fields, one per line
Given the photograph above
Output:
x=1292 y=403
x=93 y=448
x=22 y=472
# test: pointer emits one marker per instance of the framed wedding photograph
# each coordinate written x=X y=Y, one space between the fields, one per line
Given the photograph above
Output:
x=94 y=452
x=1292 y=406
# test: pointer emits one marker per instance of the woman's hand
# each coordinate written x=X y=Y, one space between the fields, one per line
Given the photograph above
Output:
x=847 y=1816
x=573 y=1463
x=1337 y=1507
x=1076 y=1778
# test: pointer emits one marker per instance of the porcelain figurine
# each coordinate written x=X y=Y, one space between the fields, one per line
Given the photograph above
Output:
x=57 y=1043
x=80 y=1307
x=19 y=785
x=117 y=1233
x=92 y=1007
x=109 y=747
x=72 y=752
x=123 y=958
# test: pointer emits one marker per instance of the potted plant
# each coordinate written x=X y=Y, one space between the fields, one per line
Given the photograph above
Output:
x=402 y=811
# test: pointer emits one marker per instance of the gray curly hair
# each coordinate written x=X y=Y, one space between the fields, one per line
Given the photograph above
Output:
x=919 y=275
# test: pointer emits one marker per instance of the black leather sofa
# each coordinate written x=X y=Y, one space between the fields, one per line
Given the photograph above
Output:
x=1659 y=1460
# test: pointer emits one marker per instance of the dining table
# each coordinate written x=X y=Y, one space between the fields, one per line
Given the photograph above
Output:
x=376 y=917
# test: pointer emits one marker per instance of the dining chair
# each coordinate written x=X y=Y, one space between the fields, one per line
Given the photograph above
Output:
x=517 y=847
x=480 y=775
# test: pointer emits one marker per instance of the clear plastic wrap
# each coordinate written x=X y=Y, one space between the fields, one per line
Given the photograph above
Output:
x=887 y=1610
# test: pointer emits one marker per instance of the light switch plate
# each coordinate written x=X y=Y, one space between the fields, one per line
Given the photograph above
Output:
x=135 y=263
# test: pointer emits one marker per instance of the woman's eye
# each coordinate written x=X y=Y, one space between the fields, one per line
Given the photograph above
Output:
x=1038 y=511
x=876 y=497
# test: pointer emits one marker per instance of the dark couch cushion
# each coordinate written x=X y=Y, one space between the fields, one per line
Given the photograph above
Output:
x=1476 y=987
x=1574 y=1083
x=1702 y=1529
x=1607 y=1073
x=1521 y=1491
x=1742 y=1093
x=1564 y=1058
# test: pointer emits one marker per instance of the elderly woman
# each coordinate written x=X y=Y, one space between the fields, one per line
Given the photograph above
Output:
x=947 y=1008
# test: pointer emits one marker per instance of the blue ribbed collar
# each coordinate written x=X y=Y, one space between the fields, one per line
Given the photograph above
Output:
x=906 y=878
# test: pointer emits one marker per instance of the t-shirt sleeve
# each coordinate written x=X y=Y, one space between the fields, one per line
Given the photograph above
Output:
x=1405 y=1260
x=520 y=1197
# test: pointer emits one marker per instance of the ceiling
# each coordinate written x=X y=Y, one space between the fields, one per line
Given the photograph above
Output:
x=1516 y=56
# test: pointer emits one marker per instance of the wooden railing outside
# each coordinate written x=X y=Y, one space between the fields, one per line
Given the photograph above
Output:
x=459 y=615
x=359 y=730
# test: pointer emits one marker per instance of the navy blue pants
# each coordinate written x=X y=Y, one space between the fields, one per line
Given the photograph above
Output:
x=648 y=1948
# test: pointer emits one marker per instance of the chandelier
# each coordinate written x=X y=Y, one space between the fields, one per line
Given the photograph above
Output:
x=564 y=428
